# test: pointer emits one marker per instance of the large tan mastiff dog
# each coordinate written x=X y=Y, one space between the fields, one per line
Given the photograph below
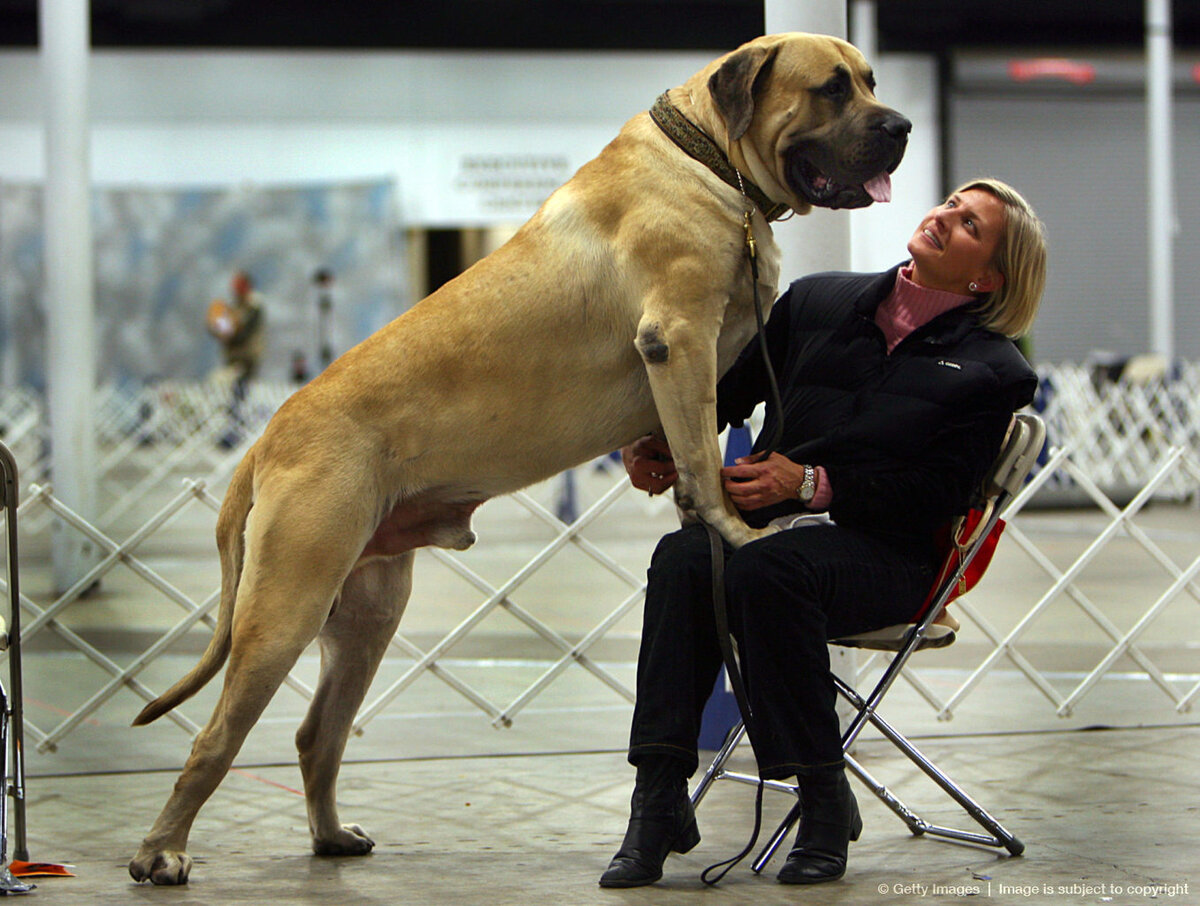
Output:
x=609 y=315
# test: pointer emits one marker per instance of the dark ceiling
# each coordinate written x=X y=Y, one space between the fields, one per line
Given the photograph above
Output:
x=932 y=25
x=922 y=25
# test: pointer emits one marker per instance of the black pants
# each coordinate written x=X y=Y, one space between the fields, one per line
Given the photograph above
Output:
x=786 y=594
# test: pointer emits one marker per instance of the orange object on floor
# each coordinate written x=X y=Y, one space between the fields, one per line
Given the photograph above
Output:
x=39 y=869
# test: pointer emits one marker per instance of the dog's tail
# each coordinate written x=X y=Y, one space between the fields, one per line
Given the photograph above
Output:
x=231 y=543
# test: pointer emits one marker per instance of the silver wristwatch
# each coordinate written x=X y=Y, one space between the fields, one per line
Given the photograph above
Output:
x=808 y=487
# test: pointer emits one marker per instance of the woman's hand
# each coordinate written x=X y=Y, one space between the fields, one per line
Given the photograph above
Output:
x=649 y=463
x=753 y=483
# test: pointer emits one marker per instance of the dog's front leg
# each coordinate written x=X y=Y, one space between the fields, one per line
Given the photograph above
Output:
x=680 y=354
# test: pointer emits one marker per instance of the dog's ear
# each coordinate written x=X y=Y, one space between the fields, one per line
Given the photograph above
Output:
x=734 y=85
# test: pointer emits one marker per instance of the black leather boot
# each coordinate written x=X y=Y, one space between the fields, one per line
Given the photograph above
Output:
x=830 y=820
x=661 y=820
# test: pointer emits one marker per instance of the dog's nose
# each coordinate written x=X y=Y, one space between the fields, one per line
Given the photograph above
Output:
x=896 y=126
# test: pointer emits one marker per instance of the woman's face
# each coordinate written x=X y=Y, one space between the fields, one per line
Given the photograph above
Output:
x=956 y=242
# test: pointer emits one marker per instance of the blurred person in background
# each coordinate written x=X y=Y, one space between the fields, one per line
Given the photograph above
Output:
x=238 y=327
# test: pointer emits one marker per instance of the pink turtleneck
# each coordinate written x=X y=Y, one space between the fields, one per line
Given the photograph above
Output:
x=906 y=308
x=910 y=306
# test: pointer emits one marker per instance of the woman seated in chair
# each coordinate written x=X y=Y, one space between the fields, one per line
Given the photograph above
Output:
x=897 y=389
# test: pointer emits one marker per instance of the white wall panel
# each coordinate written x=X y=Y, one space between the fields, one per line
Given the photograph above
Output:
x=1081 y=160
x=216 y=118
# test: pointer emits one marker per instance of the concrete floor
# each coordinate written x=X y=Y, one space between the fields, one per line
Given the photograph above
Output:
x=1110 y=814
x=1105 y=798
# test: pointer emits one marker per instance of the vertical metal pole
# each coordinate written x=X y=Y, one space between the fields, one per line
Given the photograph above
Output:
x=1160 y=178
x=70 y=350
x=15 y=786
x=820 y=241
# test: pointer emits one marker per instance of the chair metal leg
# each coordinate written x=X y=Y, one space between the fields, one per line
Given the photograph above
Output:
x=716 y=771
x=998 y=836
x=717 y=768
x=777 y=838
x=902 y=811
x=8 y=883
x=14 y=746
x=915 y=824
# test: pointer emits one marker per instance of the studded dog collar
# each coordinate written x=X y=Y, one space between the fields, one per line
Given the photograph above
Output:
x=697 y=144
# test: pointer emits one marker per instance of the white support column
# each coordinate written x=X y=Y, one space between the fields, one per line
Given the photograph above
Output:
x=70 y=350
x=1160 y=180
x=821 y=240
x=864 y=28
x=864 y=35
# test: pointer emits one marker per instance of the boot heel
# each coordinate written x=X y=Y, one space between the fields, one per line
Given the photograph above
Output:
x=689 y=834
x=856 y=822
x=688 y=838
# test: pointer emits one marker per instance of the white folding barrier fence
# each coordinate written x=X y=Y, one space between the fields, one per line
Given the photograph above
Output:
x=164 y=451
x=1176 y=582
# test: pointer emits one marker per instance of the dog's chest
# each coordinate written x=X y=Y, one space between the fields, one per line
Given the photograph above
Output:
x=740 y=322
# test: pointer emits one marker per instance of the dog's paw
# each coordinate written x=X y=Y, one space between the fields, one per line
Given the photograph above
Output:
x=741 y=535
x=160 y=866
x=351 y=840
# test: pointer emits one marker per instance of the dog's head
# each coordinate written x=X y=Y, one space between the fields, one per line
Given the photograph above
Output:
x=800 y=115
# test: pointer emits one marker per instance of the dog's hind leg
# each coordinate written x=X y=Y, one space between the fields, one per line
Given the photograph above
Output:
x=252 y=678
x=294 y=567
x=353 y=642
x=250 y=682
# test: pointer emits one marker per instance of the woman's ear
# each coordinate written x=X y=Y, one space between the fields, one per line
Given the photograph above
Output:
x=988 y=282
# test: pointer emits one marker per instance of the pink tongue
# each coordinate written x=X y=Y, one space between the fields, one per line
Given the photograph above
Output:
x=880 y=188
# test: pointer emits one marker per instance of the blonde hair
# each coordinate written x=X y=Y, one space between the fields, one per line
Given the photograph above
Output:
x=1020 y=258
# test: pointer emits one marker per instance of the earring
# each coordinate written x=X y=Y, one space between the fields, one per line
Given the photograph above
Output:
x=974 y=287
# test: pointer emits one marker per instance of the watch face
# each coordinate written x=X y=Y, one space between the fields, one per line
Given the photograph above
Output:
x=808 y=489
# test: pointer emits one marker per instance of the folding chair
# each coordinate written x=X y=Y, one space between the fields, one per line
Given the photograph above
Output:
x=969 y=547
x=12 y=737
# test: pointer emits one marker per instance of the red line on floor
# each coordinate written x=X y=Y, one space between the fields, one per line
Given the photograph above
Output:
x=57 y=710
x=282 y=786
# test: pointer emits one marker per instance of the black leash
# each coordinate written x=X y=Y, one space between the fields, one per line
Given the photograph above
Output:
x=717 y=550
x=725 y=640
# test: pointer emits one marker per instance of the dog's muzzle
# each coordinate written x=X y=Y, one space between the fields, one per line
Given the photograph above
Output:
x=852 y=177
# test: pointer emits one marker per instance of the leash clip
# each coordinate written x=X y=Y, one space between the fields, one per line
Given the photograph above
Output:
x=751 y=244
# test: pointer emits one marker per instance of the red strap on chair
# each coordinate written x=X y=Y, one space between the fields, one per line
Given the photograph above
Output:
x=955 y=547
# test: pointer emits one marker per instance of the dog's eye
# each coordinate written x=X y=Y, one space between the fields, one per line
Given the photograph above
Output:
x=834 y=89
